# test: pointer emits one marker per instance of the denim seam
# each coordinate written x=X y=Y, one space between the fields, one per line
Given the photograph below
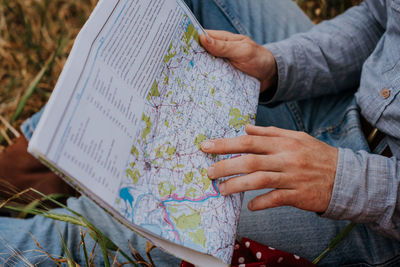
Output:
x=333 y=127
x=296 y=114
x=236 y=23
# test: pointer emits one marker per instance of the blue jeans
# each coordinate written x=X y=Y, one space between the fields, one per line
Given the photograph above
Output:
x=333 y=119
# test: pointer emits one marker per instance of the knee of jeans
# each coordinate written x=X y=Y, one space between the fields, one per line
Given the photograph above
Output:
x=29 y=125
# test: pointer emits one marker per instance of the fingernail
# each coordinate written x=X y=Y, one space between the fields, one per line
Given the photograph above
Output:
x=210 y=172
x=207 y=145
x=221 y=188
x=209 y=40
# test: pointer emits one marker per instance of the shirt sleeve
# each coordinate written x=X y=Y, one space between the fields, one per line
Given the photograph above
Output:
x=367 y=190
x=329 y=57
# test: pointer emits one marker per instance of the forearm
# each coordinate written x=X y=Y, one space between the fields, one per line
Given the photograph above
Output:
x=328 y=58
x=367 y=190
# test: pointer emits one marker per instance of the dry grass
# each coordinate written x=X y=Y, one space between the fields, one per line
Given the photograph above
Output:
x=319 y=10
x=37 y=204
x=31 y=31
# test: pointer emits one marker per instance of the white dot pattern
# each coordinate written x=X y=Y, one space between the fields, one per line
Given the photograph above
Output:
x=259 y=254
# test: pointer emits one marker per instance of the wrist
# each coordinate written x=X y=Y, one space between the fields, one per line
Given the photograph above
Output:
x=269 y=83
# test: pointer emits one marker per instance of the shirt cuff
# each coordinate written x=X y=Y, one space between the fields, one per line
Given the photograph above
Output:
x=362 y=189
x=290 y=68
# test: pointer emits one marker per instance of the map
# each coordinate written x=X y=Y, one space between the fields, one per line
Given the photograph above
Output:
x=166 y=190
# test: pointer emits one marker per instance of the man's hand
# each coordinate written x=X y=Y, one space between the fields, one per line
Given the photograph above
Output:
x=244 y=54
x=299 y=168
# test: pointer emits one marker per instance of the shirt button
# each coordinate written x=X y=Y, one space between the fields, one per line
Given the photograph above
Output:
x=385 y=93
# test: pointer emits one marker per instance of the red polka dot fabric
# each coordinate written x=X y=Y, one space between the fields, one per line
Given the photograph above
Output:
x=249 y=253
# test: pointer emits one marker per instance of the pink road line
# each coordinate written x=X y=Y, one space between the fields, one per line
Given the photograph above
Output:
x=175 y=197
x=204 y=197
x=166 y=219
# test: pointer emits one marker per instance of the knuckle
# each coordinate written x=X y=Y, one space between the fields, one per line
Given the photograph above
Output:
x=277 y=199
x=301 y=161
x=247 y=46
x=252 y=163
x=245 y=184
x=287 y=159
x=274 y=180
x=272 y=128
x=292 y=143
x=302 y=135
x=223 y=47
x=222 y=146
x=288 y=143
x=280 y=162
x=246 y=141
x=218 y=145
x=221 y=165
x=264 y=180
x=235 y=185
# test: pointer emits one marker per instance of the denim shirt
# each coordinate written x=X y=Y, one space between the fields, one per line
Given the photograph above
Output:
x=359 y=49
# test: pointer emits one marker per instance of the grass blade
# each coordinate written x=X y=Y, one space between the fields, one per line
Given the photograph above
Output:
x=38 y=202
x=70 y=260
x=103 y=248
x=50 y=215
x=336 y=241
x=104 y=242
x=31 y=88
x=84 y=248
x=9 y=127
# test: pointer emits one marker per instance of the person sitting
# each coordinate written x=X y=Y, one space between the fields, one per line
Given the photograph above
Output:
x=321 y=87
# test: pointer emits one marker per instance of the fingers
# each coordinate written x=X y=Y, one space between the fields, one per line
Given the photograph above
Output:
x=260 y=140
x=253 y=181
x=245 y=164
x=269 y=131
x=227 y=47
x=225 y=36
x=241 y=144
x=273 y=199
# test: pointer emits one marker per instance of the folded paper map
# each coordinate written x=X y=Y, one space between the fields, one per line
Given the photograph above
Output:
x=137 y=97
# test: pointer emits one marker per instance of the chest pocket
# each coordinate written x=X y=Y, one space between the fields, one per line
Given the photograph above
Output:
x=392 y=36
x=395 y=4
